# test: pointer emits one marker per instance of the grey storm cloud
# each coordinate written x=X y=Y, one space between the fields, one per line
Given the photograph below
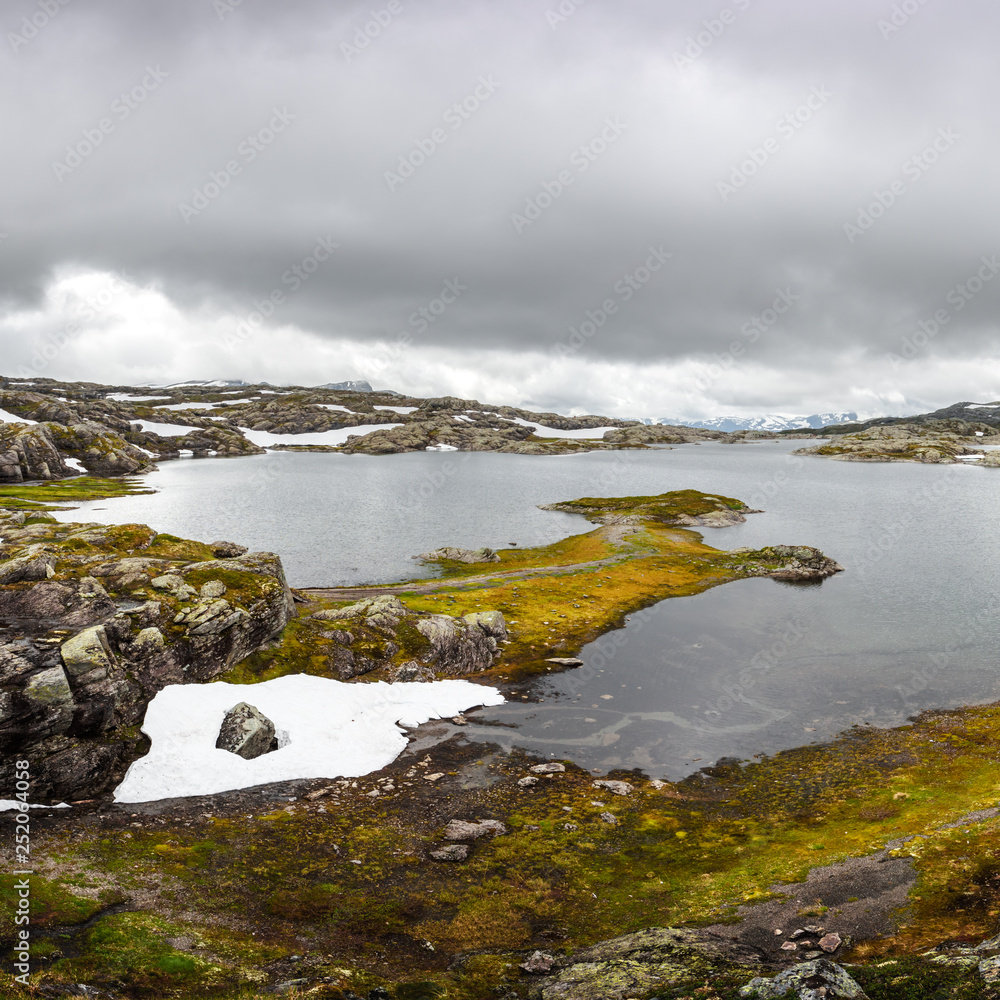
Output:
x=838 y=159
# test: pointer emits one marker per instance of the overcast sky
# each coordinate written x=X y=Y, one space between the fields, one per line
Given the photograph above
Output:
x=595 y=205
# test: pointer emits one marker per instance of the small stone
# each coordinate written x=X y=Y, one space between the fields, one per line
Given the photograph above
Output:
x=565 y=661
x=527 y=782
x=570 y=827
x=538 y=962
x=778 y=932
x=615 y=787
x=453 y=852
x=657 y=784
x=789 y=946
x=214 y=588
x=796 y=934
x=434 y=777
x=459 y=829
x=552 y=768
x=813 y=929
x=609 y=818
x=830 y=942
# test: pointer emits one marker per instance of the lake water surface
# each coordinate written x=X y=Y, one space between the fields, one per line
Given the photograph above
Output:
x=746 y=668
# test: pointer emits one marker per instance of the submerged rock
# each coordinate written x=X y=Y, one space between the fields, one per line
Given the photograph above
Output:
x=246 y=732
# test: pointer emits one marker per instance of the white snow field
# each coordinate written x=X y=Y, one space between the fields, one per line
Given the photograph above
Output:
x=325 y=729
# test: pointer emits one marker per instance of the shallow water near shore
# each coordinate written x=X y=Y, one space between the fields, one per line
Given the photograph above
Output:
x=746 y=668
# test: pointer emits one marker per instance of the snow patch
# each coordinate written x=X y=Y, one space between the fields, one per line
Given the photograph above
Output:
x=333 y=729
x=395 y=409
x=10 y=805
x=75 y=463
x=13 y=418
x=267 y=439
x=124 y=397
x=554 y=432
x=166 y=430
x=440 y=447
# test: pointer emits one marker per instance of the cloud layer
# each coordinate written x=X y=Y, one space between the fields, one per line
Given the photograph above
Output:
x=758 y=205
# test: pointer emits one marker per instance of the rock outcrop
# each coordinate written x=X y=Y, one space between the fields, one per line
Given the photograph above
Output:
x=933 y=442
x=785 y=562
x=378 y=632
x=637 y=964
x=90 y=631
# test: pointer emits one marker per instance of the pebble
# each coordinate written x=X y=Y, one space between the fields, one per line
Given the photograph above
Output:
x=552 y=768
x=609 y=818
x=527 y=782
x=789 y=946
x=434 y=777
x=830 y=942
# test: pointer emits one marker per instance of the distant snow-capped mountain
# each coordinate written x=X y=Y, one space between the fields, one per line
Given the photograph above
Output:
x=769 y=422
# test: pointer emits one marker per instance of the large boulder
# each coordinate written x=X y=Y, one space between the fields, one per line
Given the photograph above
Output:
x=246 y=732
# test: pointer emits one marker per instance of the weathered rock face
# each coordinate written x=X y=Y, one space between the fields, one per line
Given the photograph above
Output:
x=371 y=633
x=28 y=452
x=483 y=555
x=246 y=732
x=87 y=638
x=637 y=964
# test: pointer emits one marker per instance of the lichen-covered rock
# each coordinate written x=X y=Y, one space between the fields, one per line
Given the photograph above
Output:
x=246 y=732
x=808 y=981
x=227 y=550
x=637 y=964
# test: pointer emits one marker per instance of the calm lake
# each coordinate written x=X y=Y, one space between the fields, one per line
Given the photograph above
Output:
x=746 y=668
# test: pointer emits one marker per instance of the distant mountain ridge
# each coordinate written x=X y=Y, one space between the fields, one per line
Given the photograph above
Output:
x=768 y=422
